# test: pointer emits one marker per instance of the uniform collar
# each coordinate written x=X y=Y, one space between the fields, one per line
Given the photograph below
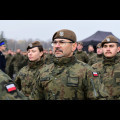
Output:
x=63 y=61
x=110 y=61
x=35 y=64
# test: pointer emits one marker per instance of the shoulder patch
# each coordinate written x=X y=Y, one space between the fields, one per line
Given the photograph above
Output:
x=11 y=87
x=95 y=74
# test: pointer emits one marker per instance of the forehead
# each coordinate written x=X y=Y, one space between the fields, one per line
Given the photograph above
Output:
x=108 y=44
x=3 y=46
x=80 y=44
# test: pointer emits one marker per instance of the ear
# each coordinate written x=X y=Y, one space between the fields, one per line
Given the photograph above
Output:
x=74 y=46
x=41 y=53
x=118 y=49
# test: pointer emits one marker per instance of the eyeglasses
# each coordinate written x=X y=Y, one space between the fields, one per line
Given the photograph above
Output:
x=61 y=43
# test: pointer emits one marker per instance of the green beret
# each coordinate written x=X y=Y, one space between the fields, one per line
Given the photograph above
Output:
x=80 y=43
x=65 y=34
x=109 y=39
x=34 y=44
x=99 y=45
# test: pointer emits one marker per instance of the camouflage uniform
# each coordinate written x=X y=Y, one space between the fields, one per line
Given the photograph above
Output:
x=82 y=56
x=8 y=62
x=17 y=62
x=6 y=93
x=118 y=54
x=67 y=79
x=27 y=75
x=49 y=58
x=109 y=73
x=91 y=54
x=95 y=59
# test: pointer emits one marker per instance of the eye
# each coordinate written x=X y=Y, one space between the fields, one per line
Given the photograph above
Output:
x=104 y=46
x=55 y=42
x=111 y=45
x=61 y=42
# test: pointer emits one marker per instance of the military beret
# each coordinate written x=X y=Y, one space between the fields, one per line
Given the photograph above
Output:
x=65 y=34
x=2 y=43
x=99 y=45
x=34 y=44
x=109 y=39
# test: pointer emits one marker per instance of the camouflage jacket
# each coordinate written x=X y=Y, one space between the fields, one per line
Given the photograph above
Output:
x=49 y=58
x=91 y=54
x=109 y=74
x=8 y=90
x=27 y=76
x=8 y=61
x=82 y=56
x=17 y=61
x=96 y=58
x=67 y=79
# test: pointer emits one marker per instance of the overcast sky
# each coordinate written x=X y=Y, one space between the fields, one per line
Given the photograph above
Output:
x=44 y=29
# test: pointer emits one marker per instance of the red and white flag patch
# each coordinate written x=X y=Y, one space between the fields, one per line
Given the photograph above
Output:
x=11 y=87
x=95 y=74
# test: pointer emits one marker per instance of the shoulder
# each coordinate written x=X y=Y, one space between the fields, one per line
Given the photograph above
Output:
x=46 y=67
x=79 y=65
x=4 y=77
x=97 y=65
x=23 y=70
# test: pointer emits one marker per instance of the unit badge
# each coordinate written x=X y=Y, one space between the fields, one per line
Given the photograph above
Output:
x=108 y=39
x=61 y=33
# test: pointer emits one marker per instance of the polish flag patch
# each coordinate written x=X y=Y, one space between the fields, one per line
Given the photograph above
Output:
x=11 y=87
x=95 y=74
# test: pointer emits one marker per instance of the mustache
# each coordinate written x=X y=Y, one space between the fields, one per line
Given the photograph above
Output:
x=107 y=52
x=57 y=49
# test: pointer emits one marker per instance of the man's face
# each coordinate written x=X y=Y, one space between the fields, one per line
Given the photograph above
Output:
x=3 y=48
x=63 y=48
x=110 y=49
x=99 y=51
x=90 y=49
x=79 y=47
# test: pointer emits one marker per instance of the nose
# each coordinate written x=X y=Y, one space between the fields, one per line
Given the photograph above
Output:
x=108 y=48
x=57 y=45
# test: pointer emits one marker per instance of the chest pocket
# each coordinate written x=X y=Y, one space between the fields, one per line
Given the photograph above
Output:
x=45 y=80
x=117 y=78
x=72 y=81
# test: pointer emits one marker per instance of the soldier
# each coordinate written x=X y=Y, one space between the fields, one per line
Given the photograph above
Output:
x=8 y=61
x=80 y=54
x=16 y=62
x=2 y=57
x=91 y=52
x=109 y=68
x=8 y=90
x=98 y=57
x=66 y=78
x=27 y=75
x=49 y=57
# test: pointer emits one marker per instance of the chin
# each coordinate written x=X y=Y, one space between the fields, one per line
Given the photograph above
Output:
x=58 y=56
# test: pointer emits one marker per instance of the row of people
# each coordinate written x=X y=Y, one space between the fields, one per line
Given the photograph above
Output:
x=66 y=77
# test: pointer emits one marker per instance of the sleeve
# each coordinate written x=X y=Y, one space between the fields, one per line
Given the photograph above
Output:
x=8 y=91
x=94 y=88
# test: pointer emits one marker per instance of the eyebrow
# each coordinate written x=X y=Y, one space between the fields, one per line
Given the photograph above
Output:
x=59 y=41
